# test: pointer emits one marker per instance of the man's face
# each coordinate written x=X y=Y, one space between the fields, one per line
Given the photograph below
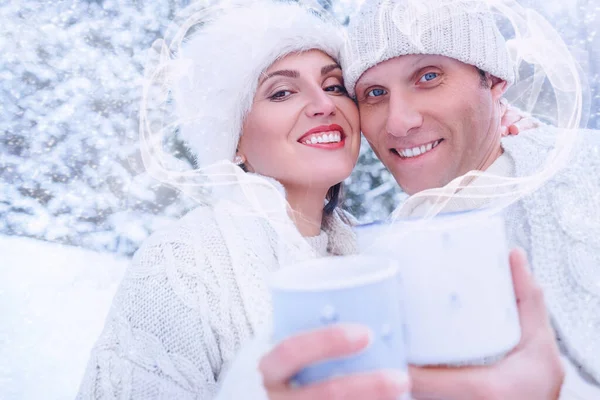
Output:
x=430 y=118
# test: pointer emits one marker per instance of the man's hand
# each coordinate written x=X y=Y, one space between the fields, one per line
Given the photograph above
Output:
x=297 y=352
x=532 y=371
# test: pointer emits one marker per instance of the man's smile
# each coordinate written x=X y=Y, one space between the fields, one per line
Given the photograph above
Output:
x=415 y=151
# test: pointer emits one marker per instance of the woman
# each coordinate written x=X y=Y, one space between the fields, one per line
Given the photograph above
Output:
x=263 y=89
x=258 y=85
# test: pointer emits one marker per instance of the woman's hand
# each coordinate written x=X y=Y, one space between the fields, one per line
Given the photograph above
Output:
x=515 y=121
x=297 y=352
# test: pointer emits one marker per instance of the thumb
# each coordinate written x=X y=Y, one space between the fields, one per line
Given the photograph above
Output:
x=530 y=298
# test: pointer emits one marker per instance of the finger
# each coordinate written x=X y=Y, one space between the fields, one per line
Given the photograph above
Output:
x=527 y=123
x=530 y=298
x=509 y=118
x=456 y=383
x=513 y=130
x=380 y=385
x=295 y=353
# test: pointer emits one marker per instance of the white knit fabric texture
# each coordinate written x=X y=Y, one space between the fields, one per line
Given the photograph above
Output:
x=191 y=297
x=461 y=29
x=562 y=224
x=225 y=59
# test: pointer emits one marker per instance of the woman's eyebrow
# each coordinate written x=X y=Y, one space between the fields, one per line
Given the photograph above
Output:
x=284 y=72
x=295 y=74
x=328 y=68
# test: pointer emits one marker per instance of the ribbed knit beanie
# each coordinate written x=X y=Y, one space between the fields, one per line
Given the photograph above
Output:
x=461 y=29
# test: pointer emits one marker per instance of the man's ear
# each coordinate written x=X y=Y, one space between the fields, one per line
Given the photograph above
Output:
x=498 y=88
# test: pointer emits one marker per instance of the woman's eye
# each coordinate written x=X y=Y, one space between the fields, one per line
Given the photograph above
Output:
x=282 y=94
x=428 y=77
x=376 y=93
x=336 y=89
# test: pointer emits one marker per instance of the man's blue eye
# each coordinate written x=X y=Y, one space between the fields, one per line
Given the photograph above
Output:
x=429 y=77
x=376 y=93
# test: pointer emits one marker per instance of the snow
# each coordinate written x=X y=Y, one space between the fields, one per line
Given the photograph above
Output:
x=53 y=302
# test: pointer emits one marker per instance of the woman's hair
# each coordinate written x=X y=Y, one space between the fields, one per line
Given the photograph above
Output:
x=334 y=196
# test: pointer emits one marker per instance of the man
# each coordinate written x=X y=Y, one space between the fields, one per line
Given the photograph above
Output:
x=430 y=102
x=430 y=96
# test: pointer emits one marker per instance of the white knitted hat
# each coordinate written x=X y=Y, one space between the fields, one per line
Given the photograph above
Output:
x=461 y=29
x=224 y=60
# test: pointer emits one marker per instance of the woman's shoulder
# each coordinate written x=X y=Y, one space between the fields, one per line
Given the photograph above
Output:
x=180 y=241
x=209 y=234
x=197 y=217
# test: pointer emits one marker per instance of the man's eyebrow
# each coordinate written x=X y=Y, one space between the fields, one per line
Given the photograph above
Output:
x=328 y=68
x=418 y=60
x=415 y=64
x=365 y=83
x=284 y=72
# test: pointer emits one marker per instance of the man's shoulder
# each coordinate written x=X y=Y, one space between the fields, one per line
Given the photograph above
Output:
x=531 y=149
x=550 y=136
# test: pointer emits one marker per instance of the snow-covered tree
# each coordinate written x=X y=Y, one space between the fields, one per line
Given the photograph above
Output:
x=578 y=23
x=70 y=88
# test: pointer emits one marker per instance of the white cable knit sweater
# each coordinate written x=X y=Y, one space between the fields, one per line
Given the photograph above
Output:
x=191 y=297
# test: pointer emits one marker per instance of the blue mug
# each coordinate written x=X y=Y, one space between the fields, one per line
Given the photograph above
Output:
x=351 y=289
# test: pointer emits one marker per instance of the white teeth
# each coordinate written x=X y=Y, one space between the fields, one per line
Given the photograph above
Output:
x=417 y=151
x=333 y=137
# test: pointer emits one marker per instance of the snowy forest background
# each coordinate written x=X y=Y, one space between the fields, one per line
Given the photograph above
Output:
x=70 y=85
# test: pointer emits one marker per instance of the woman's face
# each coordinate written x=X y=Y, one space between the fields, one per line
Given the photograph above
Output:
x=303 y=129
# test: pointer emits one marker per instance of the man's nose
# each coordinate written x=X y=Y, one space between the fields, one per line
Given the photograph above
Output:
x=403 y=115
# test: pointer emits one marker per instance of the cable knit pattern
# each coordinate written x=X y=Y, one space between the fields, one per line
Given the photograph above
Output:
x=191 y=297
x=564 y=230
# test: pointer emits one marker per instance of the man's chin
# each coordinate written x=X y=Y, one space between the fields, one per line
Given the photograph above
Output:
x=414 y=184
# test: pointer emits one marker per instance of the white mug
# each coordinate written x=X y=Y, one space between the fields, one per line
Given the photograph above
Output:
x=458 y=300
